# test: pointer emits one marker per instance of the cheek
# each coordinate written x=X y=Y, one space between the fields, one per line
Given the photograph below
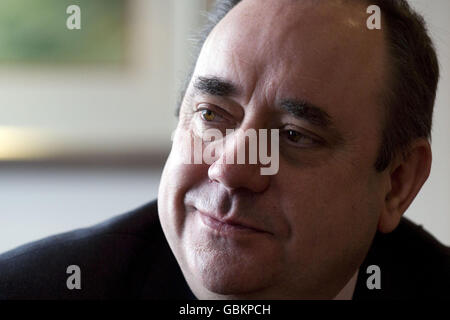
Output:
x=177 y=178
x=332 y=215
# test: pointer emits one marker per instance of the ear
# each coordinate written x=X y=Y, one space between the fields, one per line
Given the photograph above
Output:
x=406 y=176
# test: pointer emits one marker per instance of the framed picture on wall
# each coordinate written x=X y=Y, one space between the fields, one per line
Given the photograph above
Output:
x=35 y=32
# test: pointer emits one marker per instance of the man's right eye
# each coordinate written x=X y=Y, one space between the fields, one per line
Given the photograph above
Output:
x=208 y=115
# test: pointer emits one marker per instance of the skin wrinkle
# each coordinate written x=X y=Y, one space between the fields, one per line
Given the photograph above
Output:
x=241 y=81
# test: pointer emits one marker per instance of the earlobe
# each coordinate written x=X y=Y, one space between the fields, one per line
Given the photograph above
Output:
x=406 y=177
x=390 y=217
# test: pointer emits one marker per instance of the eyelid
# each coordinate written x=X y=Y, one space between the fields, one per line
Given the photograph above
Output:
x=317 y=140
x=221 y=113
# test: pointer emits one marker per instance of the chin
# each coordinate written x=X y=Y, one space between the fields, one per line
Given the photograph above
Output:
x=228 y=275
x=230 y=285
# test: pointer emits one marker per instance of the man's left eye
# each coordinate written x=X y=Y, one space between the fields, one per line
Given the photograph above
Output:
x=299 y=138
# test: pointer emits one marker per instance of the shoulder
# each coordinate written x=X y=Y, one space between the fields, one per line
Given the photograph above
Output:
x=417 y=250
x=131 y=224
x=413 y=264
x=115 y=258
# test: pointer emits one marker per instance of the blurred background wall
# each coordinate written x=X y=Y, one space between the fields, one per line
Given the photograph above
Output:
x=87 y=115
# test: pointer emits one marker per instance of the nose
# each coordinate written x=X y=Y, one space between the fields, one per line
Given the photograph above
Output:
x=239 y=174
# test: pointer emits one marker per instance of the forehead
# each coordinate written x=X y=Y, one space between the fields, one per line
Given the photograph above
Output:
x=321 y=51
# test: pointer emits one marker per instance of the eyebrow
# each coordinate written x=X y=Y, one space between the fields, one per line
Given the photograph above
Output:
x=215 y=86
x=307 y=111
x=299 y=108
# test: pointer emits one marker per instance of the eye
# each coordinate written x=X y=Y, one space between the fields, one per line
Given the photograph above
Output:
x=299 y=138
x=208 y=115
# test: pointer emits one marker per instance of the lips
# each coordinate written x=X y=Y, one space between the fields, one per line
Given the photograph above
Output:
x=229 y=224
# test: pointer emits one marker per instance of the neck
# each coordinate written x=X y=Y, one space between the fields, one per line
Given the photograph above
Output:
x=347 y=291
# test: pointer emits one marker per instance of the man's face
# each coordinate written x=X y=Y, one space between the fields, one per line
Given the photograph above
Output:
x=308 y=227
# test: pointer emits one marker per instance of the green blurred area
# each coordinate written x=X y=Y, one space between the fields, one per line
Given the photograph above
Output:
x=35 y=31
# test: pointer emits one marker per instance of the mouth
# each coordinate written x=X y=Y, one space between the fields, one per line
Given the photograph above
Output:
x=228 y=226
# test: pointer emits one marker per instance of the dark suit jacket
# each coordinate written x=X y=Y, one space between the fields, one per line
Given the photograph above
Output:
x=128 y=257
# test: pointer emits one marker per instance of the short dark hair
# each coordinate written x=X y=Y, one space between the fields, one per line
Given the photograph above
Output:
x=410 y=91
